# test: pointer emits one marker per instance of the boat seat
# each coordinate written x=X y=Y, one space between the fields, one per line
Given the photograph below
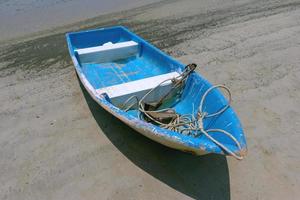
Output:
x=108 y=52
x=118 y=94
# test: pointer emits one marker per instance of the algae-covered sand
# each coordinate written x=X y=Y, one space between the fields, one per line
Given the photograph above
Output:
x=57 y=143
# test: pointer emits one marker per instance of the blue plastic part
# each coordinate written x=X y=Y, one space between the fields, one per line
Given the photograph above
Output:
x=150 y=61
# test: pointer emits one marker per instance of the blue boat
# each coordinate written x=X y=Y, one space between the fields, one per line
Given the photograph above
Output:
x=155 y=94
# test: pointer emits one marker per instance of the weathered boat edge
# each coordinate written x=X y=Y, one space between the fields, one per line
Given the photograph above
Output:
x=155 y=133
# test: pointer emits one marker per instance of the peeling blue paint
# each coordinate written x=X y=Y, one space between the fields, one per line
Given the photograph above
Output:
x=195 y=87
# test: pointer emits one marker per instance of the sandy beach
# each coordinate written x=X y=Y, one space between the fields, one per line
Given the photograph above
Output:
x=57 y=143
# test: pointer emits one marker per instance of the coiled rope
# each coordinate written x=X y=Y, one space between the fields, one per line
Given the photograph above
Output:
x=187 y=124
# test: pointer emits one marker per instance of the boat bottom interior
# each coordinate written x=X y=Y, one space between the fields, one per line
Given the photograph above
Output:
x=121 y=71
x=124 y=76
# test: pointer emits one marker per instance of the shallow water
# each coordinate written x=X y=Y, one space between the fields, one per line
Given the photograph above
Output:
x=27 y=16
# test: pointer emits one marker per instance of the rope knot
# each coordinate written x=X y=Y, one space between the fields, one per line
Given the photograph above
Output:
x=200 y=117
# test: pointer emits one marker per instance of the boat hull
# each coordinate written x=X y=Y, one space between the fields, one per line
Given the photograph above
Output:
x=187 y=143
x=138 y=125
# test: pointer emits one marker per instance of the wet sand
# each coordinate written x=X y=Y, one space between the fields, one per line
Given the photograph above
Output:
x=57 y=143
x=18 y=18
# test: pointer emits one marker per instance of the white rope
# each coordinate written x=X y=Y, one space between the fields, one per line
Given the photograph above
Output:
x=205 y=95
x=239 y=157
x=187 y=123
x=203 y=115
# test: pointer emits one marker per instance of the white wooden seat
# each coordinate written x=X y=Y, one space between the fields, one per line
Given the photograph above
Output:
x=118 y=94
x=108 y=52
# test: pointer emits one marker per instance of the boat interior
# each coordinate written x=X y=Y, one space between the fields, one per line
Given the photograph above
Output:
x=119 y=65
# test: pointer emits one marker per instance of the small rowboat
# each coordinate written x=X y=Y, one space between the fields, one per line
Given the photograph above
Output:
x=154 y=94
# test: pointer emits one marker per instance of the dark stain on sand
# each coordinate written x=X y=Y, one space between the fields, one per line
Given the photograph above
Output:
x=49 y=53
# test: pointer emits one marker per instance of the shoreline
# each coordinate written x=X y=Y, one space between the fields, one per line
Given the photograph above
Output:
x=24 y=26
x=84 y=24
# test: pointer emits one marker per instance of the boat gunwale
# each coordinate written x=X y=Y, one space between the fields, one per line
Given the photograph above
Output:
x=166 y=137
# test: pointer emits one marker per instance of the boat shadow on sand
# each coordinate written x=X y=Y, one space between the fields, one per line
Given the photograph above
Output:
x=199 y=177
